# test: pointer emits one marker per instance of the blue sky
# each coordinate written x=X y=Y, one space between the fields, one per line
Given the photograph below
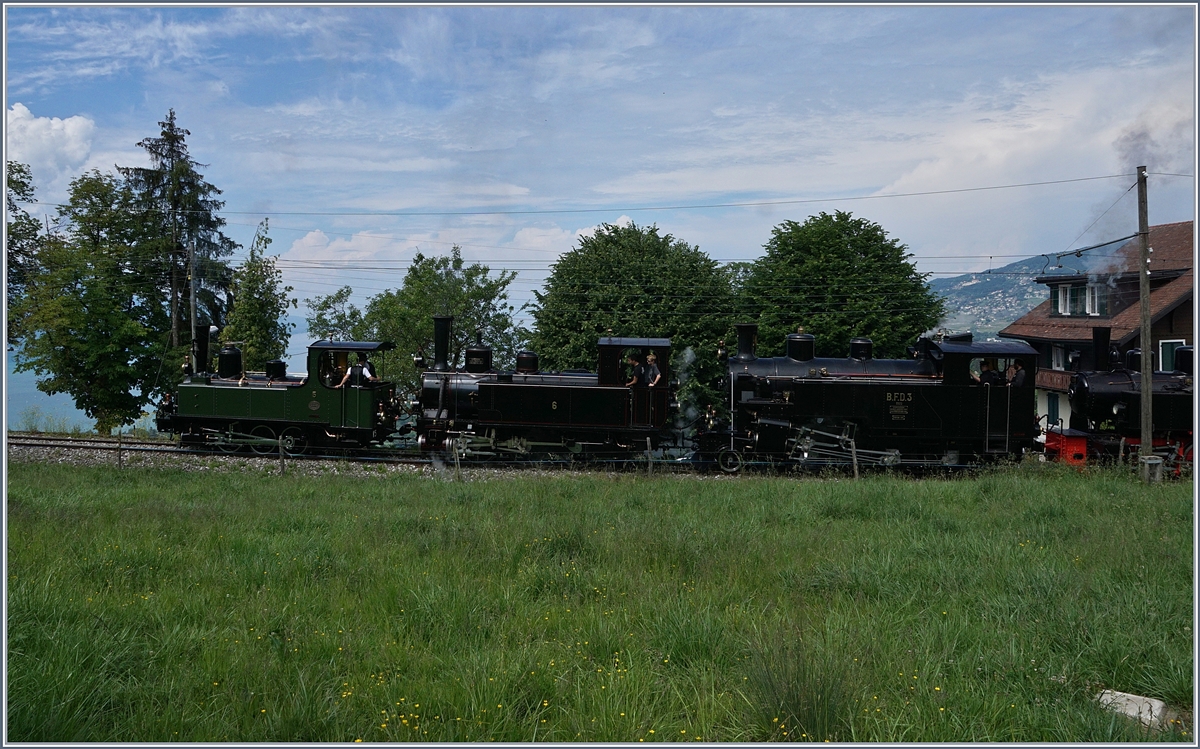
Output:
x=487 y=115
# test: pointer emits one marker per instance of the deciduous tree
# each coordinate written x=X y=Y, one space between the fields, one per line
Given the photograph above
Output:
x=446 y=285
x=22 y=236
x=838 y=277
x=333 y=317
x=633 y=281
x=438 y=285
x=90 y=324
x=260 y=302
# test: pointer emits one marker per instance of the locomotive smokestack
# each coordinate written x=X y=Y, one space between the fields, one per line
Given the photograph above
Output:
x=441 y=342
x=1101 y=336
x=747 y=333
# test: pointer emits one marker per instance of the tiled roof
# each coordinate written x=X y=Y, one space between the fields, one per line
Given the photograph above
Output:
x=1039 y=325
x=1173 y=246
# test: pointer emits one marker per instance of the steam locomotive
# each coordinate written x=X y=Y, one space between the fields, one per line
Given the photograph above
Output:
x=926 y=410
x=482 y=412
x=233 y=409
x=1106 y=409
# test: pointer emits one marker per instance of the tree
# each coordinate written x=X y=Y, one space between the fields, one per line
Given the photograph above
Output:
x=22 y=237
x=446 y=285
x=439 y=285
x=635 y=282
x=175 y=198
x=88 y=319
x=333 y=318
x=260 y=301
x=838 y=277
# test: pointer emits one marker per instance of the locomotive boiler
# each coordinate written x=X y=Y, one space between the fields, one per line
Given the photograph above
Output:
x=930 y=409
x=479 y=411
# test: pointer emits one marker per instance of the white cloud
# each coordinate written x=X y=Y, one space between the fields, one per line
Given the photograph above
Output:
x=319 y=246
x=49 y=145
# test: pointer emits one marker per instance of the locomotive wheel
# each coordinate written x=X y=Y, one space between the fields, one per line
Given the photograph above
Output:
x=228 y=447
x=294 y=441
x=729 y=461
x=265 y=433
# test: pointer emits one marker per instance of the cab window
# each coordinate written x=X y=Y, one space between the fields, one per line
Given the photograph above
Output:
x=332 y=367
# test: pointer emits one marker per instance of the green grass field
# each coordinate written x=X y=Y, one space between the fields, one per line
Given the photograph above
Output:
x=163 y=605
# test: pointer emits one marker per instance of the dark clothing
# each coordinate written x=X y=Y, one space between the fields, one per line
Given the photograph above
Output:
x=638 y=374
x=1018 y=378
x=991 y=377
x=361 y=373
x=652 y=373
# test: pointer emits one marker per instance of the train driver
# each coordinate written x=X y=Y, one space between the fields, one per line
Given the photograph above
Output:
x=361 y=373
x=988 y=374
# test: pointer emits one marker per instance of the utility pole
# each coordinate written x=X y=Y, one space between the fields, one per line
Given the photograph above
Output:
x=1147 y=375
x=192 y=289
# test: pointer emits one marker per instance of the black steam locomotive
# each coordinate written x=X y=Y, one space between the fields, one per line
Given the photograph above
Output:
x=1106 y=409
x=931 y=409
x=478 y=411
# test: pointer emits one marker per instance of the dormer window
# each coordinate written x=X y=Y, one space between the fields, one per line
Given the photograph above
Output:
x=1097 y=299
x=1079 y=300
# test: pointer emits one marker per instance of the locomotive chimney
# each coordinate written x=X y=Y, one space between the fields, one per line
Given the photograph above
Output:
x=1101 y=335
x=747 y=333
x=441 y=342
x=202 y=359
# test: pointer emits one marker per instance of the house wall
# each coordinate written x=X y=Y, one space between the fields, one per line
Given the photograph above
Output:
x=1172 y=327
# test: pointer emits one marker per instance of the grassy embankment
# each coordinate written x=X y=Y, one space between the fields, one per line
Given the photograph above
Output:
x=152 y=606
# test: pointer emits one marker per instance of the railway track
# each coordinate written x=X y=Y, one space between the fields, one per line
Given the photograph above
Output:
x=169 y=449
x=108 y=444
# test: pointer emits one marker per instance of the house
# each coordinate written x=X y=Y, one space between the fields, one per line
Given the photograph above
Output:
x=1071 y=325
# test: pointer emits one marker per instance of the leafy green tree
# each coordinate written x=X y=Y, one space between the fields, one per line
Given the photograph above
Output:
x=445 y=285
x=260 y=301
x=333 y=318
x=182 y=206
x=89 y=322
x=838 y=277
x=632 y=281
x=22 y=237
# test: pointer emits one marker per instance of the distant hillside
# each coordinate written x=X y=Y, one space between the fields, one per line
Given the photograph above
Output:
x=986 y=303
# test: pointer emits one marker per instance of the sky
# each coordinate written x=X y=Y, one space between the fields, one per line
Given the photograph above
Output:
x=366 y=134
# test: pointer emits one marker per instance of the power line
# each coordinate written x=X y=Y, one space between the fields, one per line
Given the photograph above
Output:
x=679 y=207
x=683 y=207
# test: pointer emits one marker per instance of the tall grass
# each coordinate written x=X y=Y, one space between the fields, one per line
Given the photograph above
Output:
x=158 y=606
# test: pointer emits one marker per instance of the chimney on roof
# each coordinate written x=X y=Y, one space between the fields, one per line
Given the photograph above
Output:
x=1101 y=336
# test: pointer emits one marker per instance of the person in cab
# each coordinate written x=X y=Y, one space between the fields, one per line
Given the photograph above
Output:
x=360 y=374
